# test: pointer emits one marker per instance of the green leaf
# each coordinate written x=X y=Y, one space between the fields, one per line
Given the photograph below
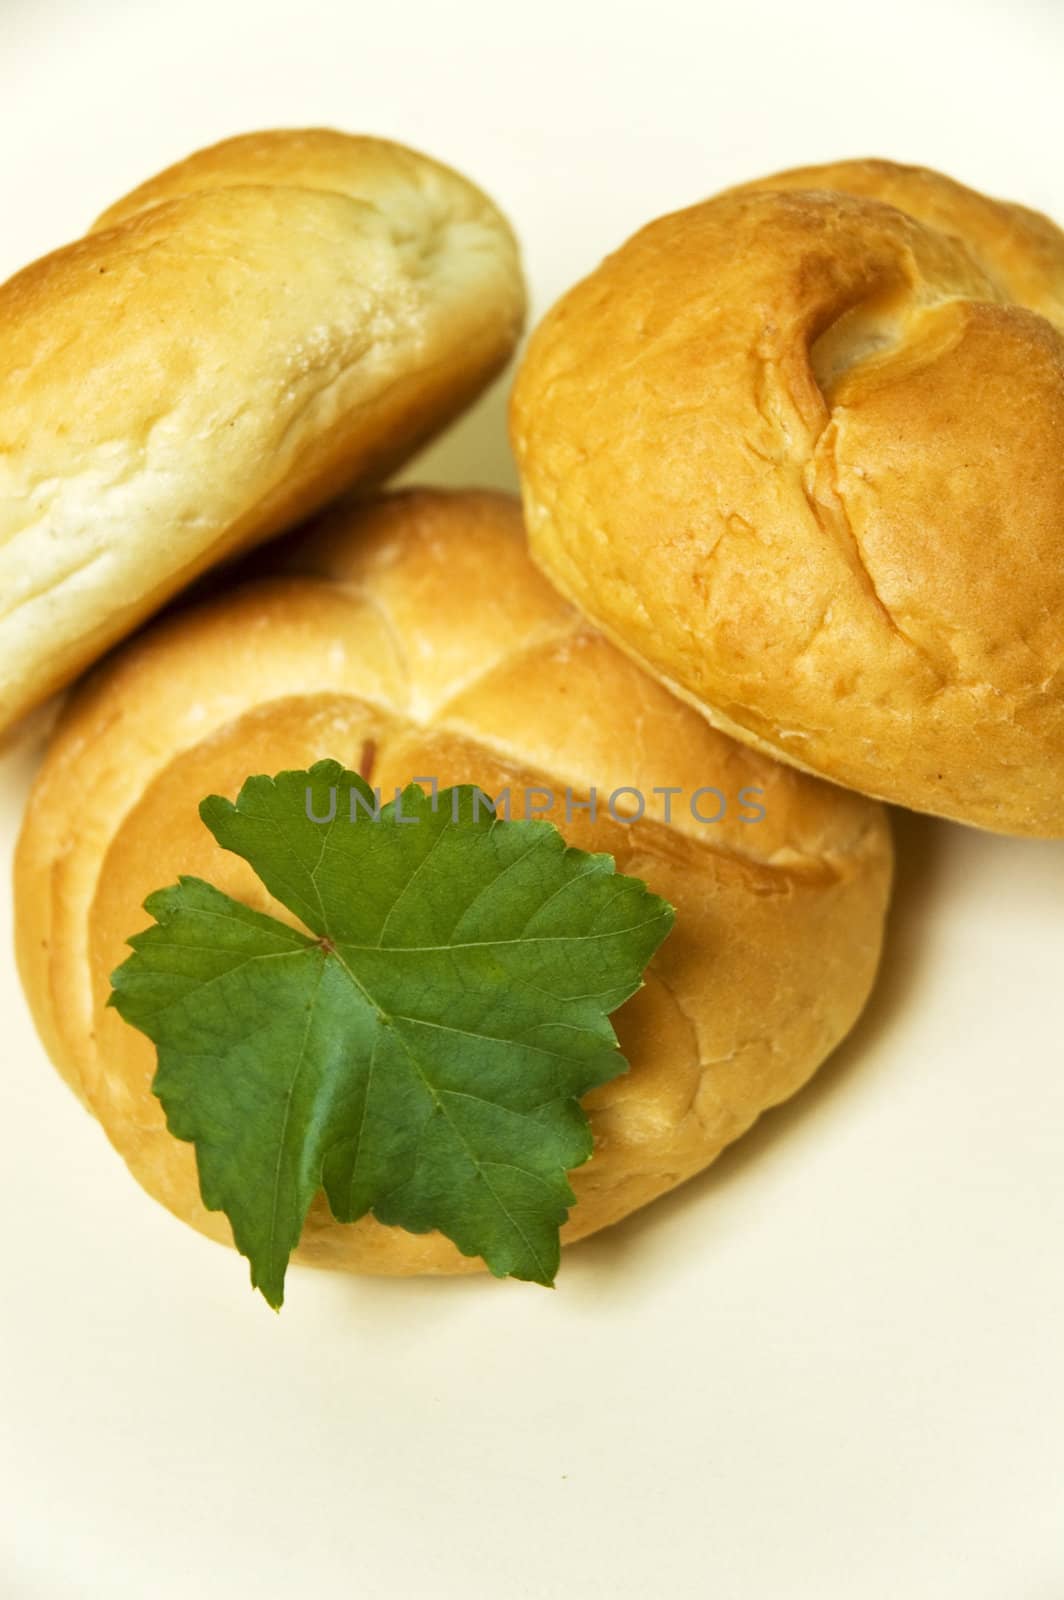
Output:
x=420 y=1053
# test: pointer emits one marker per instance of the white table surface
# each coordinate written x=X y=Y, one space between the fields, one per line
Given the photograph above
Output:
x=832 y=1367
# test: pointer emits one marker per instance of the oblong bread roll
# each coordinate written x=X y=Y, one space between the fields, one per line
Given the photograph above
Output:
x=256 y=329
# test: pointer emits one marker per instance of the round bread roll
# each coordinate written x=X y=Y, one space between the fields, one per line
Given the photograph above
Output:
x=800 y=450
x=252 y=331
x=416 y=634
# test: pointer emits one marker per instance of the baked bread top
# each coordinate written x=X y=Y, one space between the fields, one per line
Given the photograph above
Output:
x=800 y=450
x=414 y=633
x=250 y=332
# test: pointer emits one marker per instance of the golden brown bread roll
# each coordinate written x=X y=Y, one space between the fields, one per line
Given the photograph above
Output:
x=418 y=626
x=800 y=450
x=231 y=345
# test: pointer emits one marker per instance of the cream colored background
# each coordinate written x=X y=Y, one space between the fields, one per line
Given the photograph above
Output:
x=829 y=1370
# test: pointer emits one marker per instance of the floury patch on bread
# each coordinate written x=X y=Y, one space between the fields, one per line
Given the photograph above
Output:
x=275 y=319
x=800 y=451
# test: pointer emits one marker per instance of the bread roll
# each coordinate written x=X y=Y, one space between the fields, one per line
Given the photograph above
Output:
x=418 y=629
x=232 y=344
x=800 y=451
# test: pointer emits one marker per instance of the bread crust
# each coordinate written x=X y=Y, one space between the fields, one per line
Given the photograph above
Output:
x=418 y=623
x=800 y=450
x=254 y=330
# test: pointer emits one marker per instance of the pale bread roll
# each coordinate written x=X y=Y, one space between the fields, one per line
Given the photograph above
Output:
x=416 y=633
x=252 y=331
x=800 y=450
